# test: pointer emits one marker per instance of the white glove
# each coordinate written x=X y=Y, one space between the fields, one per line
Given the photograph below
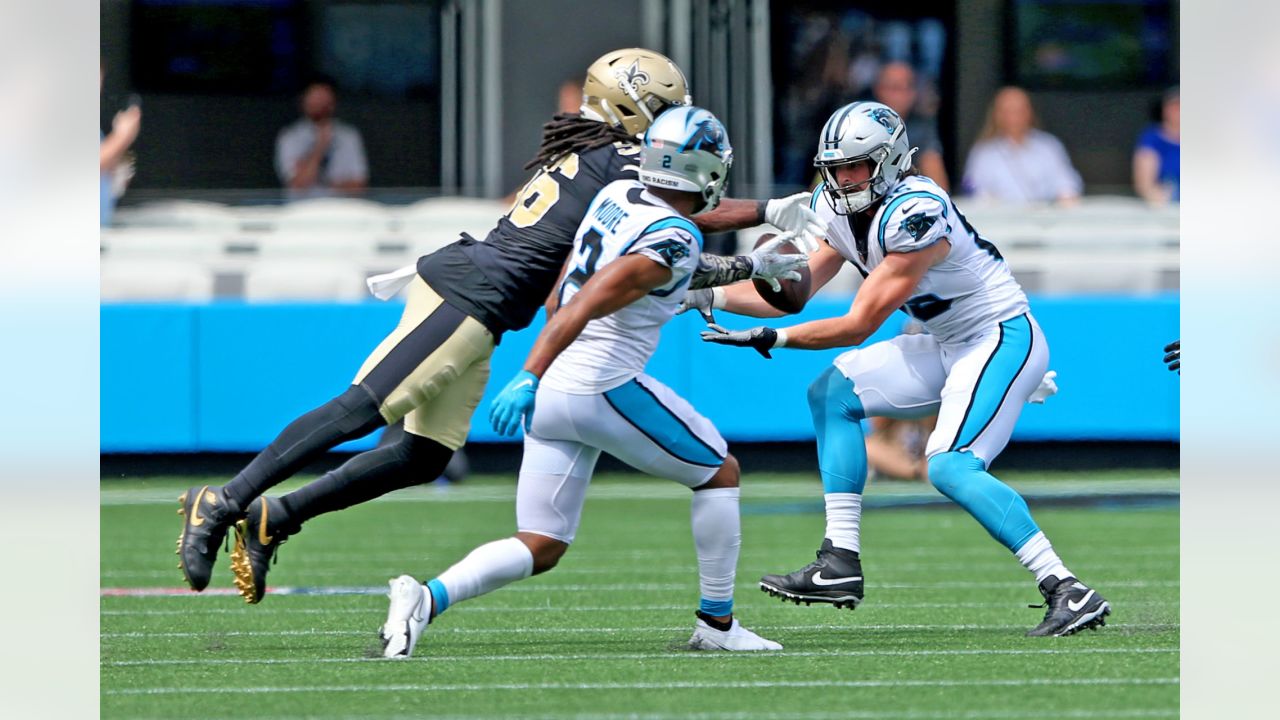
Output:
x=1047 y=387
x=704 y=301
x=771 y=266
x=792 y=214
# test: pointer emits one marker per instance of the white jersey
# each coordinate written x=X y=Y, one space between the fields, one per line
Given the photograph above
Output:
x=624 y=219
x=972 y=289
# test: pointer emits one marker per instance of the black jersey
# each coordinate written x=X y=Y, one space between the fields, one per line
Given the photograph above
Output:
x=503 y=280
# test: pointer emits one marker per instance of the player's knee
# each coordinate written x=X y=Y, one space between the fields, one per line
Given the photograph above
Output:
x=949 y=470
x=355 y=411
x=726 y=477
x=832 y=392
x=423 y=457
x=546 y=551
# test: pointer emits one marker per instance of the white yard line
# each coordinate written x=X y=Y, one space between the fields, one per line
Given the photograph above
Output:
x=672 y=685
x=538 y=587
x=641 y=656
x=809 y=715
x=596 y=630
x=648 y=489
x=282 y=610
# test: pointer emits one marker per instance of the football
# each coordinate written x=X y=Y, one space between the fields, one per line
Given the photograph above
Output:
x=794 y=293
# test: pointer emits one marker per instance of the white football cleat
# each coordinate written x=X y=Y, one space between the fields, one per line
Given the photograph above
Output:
x=407 y=617
x=736 y=638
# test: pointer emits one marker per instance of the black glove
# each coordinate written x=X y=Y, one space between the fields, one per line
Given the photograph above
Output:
x=760 y=338
x=1173 y=356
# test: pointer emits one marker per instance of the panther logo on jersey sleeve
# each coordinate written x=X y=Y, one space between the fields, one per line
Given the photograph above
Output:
x=918 y=224
x=912 y=220
x=671 y=251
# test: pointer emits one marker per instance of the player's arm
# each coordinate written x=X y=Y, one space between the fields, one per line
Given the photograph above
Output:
x=732 y=214
x=553 y=298
x=614 y=287
x=885 y=290
x=791 y=214
x=742 y=298
x=766 y=262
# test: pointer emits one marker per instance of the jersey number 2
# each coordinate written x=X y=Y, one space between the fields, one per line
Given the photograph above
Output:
x=584 y=265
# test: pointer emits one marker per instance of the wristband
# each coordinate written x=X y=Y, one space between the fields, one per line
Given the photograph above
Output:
x=718 y=298
x=782 y=339
x=761 y=211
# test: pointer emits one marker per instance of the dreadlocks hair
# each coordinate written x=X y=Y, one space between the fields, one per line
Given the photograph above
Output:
x=571 y=132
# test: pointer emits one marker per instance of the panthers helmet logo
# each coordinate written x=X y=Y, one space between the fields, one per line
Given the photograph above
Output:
x=632 y=77
x=884 y=116
x=707 y=136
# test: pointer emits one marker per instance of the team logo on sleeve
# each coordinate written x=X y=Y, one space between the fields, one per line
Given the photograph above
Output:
x=672 y=251
x=918 y=224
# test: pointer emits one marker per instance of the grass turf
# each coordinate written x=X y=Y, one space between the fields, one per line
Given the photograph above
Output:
x=940 y=634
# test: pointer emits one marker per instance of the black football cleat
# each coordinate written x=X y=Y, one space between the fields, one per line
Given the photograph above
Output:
x=835 y=578
x=207 y=514
x=1072 y=607
x=258 y=536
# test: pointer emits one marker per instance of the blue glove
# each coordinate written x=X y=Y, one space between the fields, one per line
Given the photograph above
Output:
x=514 y=404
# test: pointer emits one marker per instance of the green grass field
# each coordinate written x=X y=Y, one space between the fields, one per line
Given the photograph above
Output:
x=940 y=634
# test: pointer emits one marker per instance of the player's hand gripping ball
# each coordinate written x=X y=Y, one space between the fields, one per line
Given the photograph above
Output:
x=792 y=294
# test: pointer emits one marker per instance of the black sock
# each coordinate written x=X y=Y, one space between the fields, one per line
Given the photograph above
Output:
x=717 y=624
x=414 y=460
x=352 y=414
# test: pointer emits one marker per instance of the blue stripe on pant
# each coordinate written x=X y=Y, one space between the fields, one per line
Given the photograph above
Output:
x=647 y=414
x=1003 y=367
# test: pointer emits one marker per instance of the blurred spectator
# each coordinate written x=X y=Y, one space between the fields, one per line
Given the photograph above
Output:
x=896 y=448
x=896 y=87
x=319 y=155
x=1014 y=161
x=570 y=97
x=115 y=165
x=1157 y=156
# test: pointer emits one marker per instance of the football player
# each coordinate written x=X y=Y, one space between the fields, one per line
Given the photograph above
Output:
x=431 y=370
x=983 y=358
x=635 y=254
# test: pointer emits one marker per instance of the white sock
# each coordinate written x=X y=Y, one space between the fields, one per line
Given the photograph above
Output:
x=844 y=515
x=717 y=536
x=486 y=569
x=1037 y=555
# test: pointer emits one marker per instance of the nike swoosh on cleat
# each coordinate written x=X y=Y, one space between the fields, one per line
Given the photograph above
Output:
x=819 y=580
x=196 y=520
x=263 y=537
x=1074 y=606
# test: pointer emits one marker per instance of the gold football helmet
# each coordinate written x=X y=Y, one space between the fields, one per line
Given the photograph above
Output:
x=629 y=88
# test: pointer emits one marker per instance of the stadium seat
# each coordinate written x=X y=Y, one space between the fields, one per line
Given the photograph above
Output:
x=162 y=242
x=303 y=279
x=449 y=217
x=333 y=214
x=149 y=280
x=190 y=214
x=319 y=244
